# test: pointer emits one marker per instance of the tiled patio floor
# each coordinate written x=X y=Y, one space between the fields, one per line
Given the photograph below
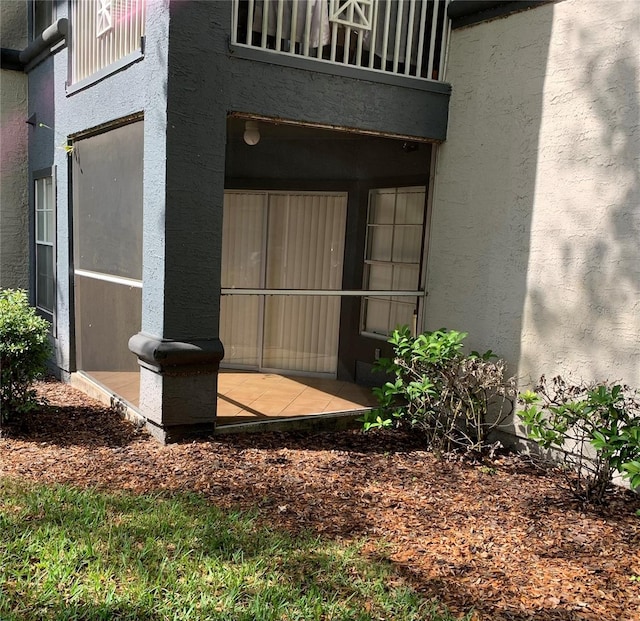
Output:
x=245 y=396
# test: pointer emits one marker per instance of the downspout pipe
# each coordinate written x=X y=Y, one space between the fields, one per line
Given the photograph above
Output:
x=10 y=59
x=49 y=37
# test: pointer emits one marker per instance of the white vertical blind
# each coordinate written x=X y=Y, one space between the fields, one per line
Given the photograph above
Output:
x=305 y=251
x=243 y=232
x=239 y=329
x=300 y=247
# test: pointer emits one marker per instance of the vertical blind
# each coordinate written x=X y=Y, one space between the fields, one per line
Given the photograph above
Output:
x=243 y=231
x=282 y=241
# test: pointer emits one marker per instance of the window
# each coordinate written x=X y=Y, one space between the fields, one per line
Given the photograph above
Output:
x=42 y=11
x=395 y=230
x=45 y=236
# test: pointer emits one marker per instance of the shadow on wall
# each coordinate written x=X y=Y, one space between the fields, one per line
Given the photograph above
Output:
x=13 y=180
x=584 y=297
x=487 y=174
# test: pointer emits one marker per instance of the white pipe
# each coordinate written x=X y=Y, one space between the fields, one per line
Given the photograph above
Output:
x=315 y=292
x=118 y=280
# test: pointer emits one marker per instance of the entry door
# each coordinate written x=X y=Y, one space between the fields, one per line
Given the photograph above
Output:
x=278 y=243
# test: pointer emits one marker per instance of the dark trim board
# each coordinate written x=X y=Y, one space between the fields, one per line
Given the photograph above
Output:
x=320 y=66
x=10 y=59
x=468 y=12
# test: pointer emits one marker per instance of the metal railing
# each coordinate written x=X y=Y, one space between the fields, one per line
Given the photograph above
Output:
x=401 y=37
x=102 y=33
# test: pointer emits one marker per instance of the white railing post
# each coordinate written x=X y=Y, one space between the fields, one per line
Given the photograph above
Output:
x=102 y=33
x=403 y=37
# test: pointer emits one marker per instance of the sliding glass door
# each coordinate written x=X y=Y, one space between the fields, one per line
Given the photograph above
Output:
x=282 y=260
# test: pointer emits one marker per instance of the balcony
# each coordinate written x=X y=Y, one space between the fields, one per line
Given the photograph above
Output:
x=392 y=37
x=105 y=35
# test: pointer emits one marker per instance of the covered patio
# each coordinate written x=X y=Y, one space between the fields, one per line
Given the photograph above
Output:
x=246 y=396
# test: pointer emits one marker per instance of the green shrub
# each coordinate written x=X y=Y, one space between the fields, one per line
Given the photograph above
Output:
x=455 y=399
x=597 y=426
x=24 y=349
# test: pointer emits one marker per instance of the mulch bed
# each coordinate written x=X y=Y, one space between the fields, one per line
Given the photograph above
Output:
x=501 y=538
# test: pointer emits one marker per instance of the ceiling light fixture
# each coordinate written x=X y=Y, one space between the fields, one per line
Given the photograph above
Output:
x=251 y=133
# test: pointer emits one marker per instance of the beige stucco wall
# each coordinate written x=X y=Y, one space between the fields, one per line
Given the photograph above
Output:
x=535 y=237
x=14 y=205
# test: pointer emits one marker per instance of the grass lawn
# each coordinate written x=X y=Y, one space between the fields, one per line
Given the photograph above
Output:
x=69 y=553
x=99 y=521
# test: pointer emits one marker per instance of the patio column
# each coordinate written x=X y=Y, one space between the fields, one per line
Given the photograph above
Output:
x=178 y=348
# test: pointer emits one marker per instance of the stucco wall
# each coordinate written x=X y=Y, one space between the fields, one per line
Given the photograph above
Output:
x=536 y=221
x=185 y=86
x=66 y=115
x=14 y=221
x=197 y=103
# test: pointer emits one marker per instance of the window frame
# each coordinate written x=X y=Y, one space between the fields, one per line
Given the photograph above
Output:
x=49 y=18
x=369 y=262
x=47 y=240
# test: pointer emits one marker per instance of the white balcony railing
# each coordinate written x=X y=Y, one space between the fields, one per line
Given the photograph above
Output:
x=402 y=37
x=104 y=32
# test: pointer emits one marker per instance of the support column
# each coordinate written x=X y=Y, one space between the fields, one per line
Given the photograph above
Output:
x=178 y=384
x=178 y=348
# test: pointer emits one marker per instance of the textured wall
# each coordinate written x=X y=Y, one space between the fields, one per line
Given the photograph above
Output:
x=198 y=102
x=186 y=85
x=14 y=222
x=13 y=24
x=119 y=95
x=536 y=222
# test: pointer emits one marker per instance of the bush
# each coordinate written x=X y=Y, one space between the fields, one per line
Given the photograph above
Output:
x=596 y=425
x=24 y=350
x=455 y=399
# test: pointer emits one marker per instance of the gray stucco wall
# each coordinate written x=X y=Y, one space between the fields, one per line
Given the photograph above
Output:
x=185 y=86
x=536 y=221
x=14 y=211
x=241 y=85
x=118 y=96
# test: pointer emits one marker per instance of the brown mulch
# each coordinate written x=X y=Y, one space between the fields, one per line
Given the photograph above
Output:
x=502 y=538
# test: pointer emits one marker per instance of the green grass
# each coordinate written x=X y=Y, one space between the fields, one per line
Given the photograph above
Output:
x=72 y=554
